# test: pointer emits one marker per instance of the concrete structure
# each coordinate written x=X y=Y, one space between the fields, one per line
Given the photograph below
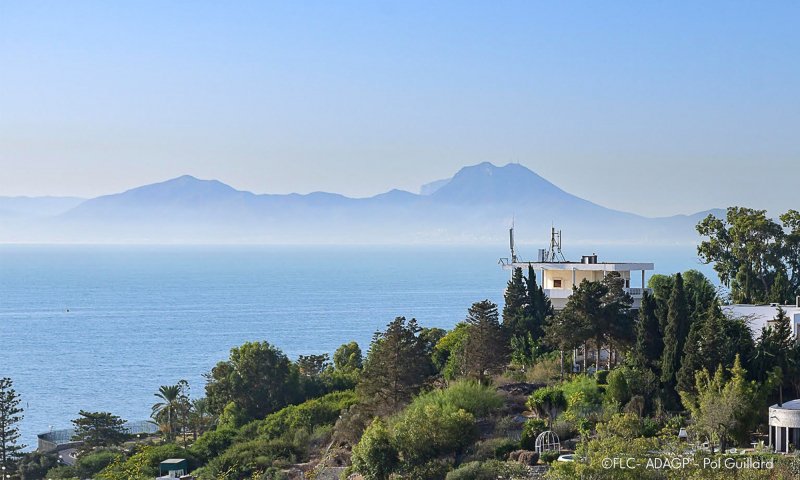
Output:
x=784 y=426
x=759 y=316
x=558 y=278
x=173 y=468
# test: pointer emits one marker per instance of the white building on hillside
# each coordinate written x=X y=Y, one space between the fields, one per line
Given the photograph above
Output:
x=558 y=276
x=759 y=316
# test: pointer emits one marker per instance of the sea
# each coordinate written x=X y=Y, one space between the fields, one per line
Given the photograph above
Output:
x=100 y=328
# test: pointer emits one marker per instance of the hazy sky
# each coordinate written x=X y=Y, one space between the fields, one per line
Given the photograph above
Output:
x=651 y=107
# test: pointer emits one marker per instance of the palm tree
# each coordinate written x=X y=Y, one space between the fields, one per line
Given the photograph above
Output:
x=200 y=415
x=166 y=411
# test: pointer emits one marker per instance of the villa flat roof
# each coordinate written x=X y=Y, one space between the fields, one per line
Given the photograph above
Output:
x=790 y=405
x=594 y=267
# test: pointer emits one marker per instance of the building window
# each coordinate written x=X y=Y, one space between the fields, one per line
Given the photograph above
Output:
x=556 y=283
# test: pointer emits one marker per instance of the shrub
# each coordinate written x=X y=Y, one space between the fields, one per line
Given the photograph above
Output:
x=307 y=415
x=145 y=462
x=375 y=457
x=490 y=470
x=212 y=443
x=532 y=428
x=547 y=402
x=254 y=456
x=601 y=376
x=34 y=465
x=549 y=456
x=63 y=472
x=471 y=396
x=547 y=370
x=492 y=448
x=88 y=465
x=618 y=390
x=424 y=431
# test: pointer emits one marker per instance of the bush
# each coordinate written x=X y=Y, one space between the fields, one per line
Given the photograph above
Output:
x=532 y=428
x=307 y=415
x=432 y=470
x=618 y=390
x=145 y=462
x=546 y=370
x=490 y=470
x=212 y=443
x=471 y=396
x=63 y=472
x=34 y=465
x=424 y=431
x=375 y=457
x=492 y=448
x=90 y=464
x=549 y=456
x=244 y=459
x=601 y=376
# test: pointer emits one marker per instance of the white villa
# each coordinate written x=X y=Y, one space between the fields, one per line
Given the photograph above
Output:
x=558 y=277
x=759 y=316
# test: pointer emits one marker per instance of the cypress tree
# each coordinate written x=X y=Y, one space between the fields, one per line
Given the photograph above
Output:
x=515 y=297
x=677 y=329
x=10 y=416
x=538 y=305
x=713 y=337
x=691 y=361
x=649 y=343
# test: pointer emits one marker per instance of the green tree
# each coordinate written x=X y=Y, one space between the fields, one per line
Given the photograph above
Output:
x=375 y=456
x=257 y=377
x=10 y=416
x=396 y=366
x=485 y=349
x=347 y=358
x=35 y=465
x=649 y=341
x=538 y=306
x=547 y=402
x=573 y=325
x=168 y=410
x=515 y=297
x=313 y=365
x=677 y=329
x=98 y=429
x=747 y=248
x=722 y=409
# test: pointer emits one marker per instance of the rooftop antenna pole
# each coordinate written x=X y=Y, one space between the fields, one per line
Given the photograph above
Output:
x=511 y=242
x=555 y=254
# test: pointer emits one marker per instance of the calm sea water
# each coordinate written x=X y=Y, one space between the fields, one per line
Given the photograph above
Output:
x=101 y=327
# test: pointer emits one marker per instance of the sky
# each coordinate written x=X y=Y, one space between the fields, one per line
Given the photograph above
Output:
x=656 y=108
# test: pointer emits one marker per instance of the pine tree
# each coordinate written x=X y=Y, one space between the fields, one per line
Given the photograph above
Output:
x=10 y=416
x=396 y=366
x=649 y=343
x=485 y=349
x=677 y=329
x=99 y=429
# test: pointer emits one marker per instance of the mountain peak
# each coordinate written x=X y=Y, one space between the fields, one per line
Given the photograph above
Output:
x=486 y=182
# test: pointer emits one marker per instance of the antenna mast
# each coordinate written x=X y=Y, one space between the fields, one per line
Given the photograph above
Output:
x=554 y=254
x=511 y=243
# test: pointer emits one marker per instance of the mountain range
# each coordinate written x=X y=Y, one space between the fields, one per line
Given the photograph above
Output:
x=476 y=205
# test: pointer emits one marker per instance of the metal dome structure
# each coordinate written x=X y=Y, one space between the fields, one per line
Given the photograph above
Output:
x=547 y=441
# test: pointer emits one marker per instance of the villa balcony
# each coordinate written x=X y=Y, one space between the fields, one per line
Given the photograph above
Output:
x=558 y=296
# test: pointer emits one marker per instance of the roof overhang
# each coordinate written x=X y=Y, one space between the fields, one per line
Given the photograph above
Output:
x=586 y=267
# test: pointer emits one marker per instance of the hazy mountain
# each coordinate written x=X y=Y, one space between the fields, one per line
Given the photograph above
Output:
x=476 y=205
x=11 y=207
